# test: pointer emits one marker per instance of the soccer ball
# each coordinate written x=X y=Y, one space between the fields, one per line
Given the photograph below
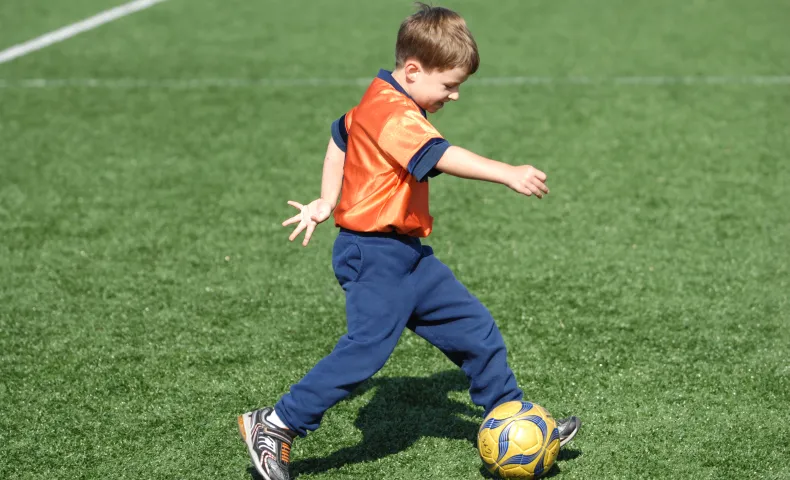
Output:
x=518 y=440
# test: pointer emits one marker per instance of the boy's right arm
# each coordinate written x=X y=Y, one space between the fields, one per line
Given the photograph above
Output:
x=524 y=179
x=321 y=208
x=332 y=178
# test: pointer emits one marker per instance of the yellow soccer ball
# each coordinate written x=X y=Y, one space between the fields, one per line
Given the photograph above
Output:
x=518 y=440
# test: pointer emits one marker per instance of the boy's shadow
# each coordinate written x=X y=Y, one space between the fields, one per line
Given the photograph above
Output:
x=402 y=410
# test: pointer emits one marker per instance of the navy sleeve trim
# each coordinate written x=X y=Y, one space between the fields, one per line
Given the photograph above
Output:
x=423 y=162
x=434 y=172
x=339 y=133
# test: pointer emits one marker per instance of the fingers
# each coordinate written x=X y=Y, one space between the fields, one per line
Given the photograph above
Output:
x=295 y=218
x=297 y=231
x=305 y=220
x=538 y=174
x=533 y=183
x=292 y=220
x=309 y=233
x=527 y=188
x=541 y=186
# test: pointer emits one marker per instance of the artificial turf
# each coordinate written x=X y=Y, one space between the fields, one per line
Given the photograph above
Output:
x=148 y=294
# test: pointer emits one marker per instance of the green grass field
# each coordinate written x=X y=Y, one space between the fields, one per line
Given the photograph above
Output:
x=148 y=293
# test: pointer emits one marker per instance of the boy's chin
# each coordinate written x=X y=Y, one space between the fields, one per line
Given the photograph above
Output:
x=434 y=108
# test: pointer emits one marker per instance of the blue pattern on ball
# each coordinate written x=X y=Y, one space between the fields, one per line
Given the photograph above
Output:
x=525 y=407
x=493 y=423
x=544 y=429
x=555 y=435
x=521 y=459
x=504 y=441
x=539 y=467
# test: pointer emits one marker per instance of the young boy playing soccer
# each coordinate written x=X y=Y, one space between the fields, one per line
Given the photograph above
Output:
x=382 y=153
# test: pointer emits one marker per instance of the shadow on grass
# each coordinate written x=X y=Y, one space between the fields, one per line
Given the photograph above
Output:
x=402 y=411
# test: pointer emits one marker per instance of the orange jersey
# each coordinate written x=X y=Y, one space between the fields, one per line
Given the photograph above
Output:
x=391 y=149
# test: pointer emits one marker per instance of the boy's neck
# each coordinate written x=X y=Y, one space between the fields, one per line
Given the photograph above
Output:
x=399 y=74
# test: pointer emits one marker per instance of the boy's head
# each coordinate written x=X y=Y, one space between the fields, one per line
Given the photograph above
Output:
x=434 y=54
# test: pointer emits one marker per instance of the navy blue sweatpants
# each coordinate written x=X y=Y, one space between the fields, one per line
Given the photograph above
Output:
x=392 y=282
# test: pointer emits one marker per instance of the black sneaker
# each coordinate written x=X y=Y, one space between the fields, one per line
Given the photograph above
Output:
x=268 y=444
x=567 y=428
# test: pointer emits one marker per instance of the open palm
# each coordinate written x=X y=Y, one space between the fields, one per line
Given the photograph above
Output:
x=308 y=218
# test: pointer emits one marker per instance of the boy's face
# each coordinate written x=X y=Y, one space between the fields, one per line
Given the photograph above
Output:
x=431 y=90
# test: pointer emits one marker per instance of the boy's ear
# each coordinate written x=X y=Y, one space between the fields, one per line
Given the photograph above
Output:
x=412 y=69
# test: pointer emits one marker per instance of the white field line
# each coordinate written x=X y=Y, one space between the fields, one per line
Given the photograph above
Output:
x=75 y=28
x=196 y=83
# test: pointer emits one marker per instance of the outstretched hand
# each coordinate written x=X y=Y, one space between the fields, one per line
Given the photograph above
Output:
x=528 y=180
x=309 y=217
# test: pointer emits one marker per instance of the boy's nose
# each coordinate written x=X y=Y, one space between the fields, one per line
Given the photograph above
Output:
x=454 y=96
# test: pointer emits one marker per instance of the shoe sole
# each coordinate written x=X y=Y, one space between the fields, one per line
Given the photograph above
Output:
x=242 y=428
x=245 y=426
x=573 y=433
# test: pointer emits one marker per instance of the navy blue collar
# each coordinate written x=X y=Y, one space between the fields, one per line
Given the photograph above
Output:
x=386 y=75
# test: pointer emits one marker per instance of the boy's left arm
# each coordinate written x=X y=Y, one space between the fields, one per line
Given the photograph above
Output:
x=321 y=208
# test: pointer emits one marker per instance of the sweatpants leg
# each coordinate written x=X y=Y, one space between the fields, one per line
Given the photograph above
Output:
x=378 y=306
x=451 y=318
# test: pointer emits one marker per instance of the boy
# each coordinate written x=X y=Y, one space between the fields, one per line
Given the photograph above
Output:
x=382 y=152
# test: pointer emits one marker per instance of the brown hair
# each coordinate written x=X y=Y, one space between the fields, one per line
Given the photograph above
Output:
x=438 y=38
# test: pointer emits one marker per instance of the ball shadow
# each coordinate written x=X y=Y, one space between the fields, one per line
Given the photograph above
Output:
x=565 y=454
